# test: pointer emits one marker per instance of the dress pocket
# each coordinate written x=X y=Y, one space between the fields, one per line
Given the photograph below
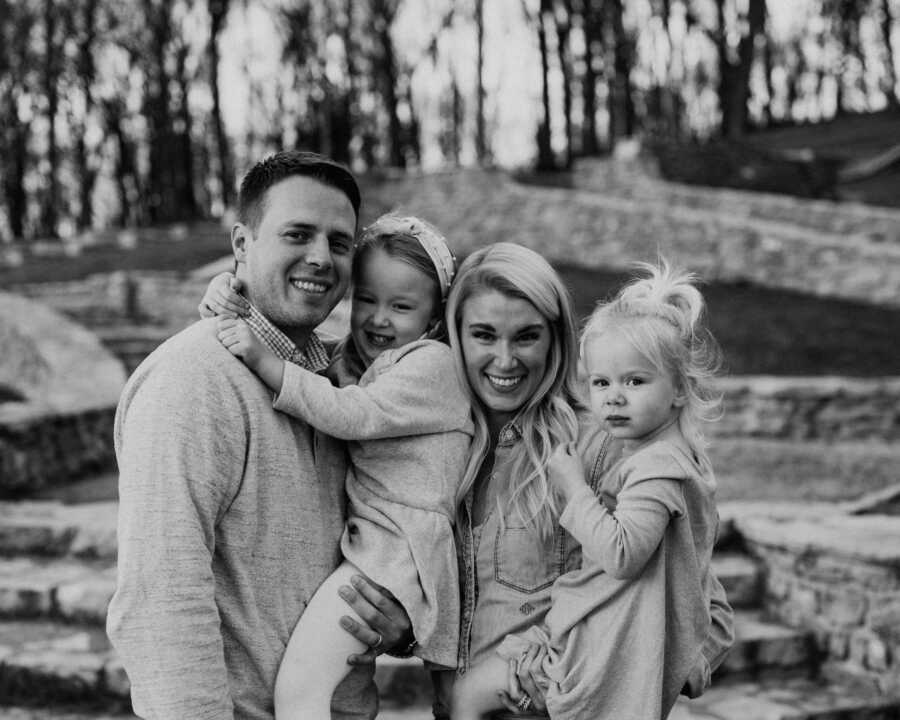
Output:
x=525 y=562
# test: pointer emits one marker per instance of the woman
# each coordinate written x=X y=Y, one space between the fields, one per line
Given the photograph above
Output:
x=511 y=327
x=512 y=331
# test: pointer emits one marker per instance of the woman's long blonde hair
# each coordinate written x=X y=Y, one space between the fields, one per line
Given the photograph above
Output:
x=549 y=417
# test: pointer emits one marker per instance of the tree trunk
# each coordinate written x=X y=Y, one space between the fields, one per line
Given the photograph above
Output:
x=344 y=129
x=621 y=108
x=86 y=172
x=218 y=11
x=546 y=161
x=52 y=199
x=563 y=29
x=890 y=76
x=384 y=16
x=734 y=79
x=185 y=207
x=593 y=46
x=481 y=147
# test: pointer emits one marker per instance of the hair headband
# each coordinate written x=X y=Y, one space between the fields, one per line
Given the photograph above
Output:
x=431 y=241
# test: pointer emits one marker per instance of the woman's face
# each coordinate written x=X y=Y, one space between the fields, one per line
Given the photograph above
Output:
x=505 y=346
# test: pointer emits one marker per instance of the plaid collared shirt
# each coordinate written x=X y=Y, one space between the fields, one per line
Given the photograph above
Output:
x=313 y=357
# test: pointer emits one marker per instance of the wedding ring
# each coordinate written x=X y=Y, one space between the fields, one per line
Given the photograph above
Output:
x=524 y=703
x=378 y=642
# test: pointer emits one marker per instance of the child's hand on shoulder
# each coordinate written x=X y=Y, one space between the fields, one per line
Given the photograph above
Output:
x=239 y=340
x=565 y=470
x=223 y=298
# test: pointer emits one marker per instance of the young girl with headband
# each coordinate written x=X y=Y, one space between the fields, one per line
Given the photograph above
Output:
x=625 y=633
x=405 y=415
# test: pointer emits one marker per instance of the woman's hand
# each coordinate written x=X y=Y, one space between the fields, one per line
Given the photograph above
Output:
x=564 y=470
x=387 y=626
x=527 y=682
x=223 y=298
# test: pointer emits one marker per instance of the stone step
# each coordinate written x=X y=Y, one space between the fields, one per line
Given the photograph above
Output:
x=60 y=713
x=50 y=663
x=741 y=576
x=56 y=662
x=786 y=699
x=48 y=527
x=68 y=588
x=770 y=699
x=762 y=646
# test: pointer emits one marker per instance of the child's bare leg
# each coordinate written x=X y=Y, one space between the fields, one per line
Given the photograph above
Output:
x=477 y=692
x=315 y=660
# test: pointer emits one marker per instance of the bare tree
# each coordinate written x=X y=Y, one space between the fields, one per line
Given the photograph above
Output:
x=218 y=12
x=735 y=67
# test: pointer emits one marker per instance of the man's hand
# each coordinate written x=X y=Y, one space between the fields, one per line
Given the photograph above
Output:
x=387 y=626
x=527 y=682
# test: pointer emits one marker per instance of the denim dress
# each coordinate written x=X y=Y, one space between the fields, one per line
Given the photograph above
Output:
x=505 y=570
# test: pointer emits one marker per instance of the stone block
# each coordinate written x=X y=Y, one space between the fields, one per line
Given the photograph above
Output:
x=740 y=576
x=845 y=606
x=877 y=655
x=838 y=644
x=86 y=600
x=115 y=679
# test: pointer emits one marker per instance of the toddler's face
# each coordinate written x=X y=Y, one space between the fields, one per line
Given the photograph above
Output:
x=393 y=304
x=629 y=394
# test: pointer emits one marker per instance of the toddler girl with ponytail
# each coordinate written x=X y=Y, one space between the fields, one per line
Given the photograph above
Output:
x=625 y=633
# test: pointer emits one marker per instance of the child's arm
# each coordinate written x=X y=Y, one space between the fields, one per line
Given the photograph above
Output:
x=223 y=298
x=417 y=395
x=621 y=541
x=240 y=341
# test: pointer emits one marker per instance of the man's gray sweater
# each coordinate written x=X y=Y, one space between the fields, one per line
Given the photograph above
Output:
x=230 y=516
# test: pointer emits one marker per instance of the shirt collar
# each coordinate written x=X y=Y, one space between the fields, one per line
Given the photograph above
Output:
x=313 y=357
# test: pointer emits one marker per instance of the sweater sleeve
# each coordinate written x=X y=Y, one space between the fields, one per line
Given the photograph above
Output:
x=623 y=540
x=416 y=395
x=180 y=459
x=718 y=642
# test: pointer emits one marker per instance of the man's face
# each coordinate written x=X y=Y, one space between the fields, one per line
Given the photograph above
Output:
x=296 y=266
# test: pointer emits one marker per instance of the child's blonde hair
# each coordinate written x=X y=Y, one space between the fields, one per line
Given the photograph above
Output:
x=662 y=316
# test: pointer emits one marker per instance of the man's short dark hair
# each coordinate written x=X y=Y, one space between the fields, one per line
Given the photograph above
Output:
x=285 y=164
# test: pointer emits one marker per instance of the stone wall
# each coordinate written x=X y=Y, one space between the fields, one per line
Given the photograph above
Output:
x=48 y=449
x=151 y=298
x=839 y=576
x=808 y=408
x=605 y=230
x=640 y=179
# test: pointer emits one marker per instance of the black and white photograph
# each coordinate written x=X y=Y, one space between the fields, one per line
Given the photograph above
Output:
x=449 y=359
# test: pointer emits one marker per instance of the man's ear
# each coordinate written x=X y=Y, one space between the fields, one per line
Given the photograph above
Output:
x=241 y=236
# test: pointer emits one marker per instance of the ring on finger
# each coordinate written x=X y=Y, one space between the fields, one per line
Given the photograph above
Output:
x=524 y=703
x=378 y=642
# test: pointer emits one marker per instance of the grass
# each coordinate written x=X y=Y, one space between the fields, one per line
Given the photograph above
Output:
x=770 y=331
x=754 y=469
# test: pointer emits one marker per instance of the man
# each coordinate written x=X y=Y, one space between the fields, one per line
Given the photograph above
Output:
x=230 y=514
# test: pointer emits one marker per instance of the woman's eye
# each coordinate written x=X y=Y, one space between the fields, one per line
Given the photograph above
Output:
x=528 y=338
x=482 y=335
